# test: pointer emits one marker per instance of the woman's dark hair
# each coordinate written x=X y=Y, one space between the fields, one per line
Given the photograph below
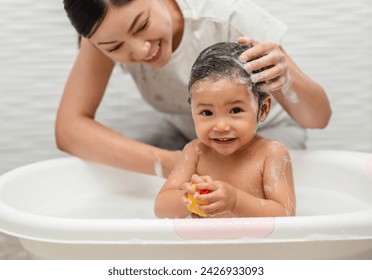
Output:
x=221 y=60
x=87 y=15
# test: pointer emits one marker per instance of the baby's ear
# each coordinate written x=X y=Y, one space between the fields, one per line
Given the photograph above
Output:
x=265 y=108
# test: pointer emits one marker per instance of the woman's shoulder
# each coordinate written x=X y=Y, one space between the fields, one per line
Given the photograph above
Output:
x=211 y=9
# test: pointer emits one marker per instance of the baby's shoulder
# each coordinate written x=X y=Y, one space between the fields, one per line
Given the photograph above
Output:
x=274 y=148
x=193 y=145
x=195 y=148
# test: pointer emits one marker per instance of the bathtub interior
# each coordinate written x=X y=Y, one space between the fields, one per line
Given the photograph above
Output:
x=75 y=189
x=332 y=182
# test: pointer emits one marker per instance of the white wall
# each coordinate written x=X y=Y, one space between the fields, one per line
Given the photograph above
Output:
x=329 y=39
x=332 y=41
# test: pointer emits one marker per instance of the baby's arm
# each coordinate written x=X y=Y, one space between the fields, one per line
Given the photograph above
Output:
x=278 y=183
x=170 y=200
x=225 y=200
x=278 y=187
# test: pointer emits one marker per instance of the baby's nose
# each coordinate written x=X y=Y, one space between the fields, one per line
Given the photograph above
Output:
x=221 y=125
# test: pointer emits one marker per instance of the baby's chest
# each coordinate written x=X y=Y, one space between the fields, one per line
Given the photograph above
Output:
x=245 y=176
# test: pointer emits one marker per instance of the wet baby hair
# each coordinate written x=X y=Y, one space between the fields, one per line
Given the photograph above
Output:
x=87 y=15
x=221 y=60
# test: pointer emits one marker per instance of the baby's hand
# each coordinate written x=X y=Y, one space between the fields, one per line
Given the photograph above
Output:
x=189 y=190
x=189 y=195
x=200 y=179
x=220 y=199
x=190 y=201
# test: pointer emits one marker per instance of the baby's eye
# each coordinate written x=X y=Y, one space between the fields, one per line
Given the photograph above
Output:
x=236 y=110
x=206 y=113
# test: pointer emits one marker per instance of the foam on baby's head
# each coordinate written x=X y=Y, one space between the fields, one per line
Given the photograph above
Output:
x=221 y=61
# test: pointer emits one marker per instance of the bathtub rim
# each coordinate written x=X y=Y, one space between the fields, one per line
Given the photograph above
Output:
x=130 y=231
x=32 y=226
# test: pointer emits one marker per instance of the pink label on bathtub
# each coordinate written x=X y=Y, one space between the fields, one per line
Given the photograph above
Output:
x=228 y=228
x=369 y=166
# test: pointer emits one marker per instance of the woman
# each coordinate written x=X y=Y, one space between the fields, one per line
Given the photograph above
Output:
x=157 y=41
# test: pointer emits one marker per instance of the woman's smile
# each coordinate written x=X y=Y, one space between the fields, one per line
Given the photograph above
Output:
x=156 y=53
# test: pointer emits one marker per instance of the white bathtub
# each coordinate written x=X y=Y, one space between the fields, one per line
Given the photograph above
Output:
x=71 y=209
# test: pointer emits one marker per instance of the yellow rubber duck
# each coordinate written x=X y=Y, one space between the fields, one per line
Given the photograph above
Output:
x=194 y=202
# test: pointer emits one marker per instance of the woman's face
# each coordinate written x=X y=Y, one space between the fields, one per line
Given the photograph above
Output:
x=139 y=32
x=225 y=114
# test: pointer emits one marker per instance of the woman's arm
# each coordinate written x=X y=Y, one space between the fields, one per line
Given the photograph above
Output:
x=304 y=100
x=78 y=133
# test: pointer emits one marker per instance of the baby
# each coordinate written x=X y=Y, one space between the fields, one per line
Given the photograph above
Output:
x=229 y=170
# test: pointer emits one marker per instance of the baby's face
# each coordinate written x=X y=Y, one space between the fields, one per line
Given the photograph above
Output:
x=225 y=114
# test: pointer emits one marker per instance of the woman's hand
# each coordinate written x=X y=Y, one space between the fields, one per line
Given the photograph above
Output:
x=302 y=98
x=270 y=57
x=221 y=197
